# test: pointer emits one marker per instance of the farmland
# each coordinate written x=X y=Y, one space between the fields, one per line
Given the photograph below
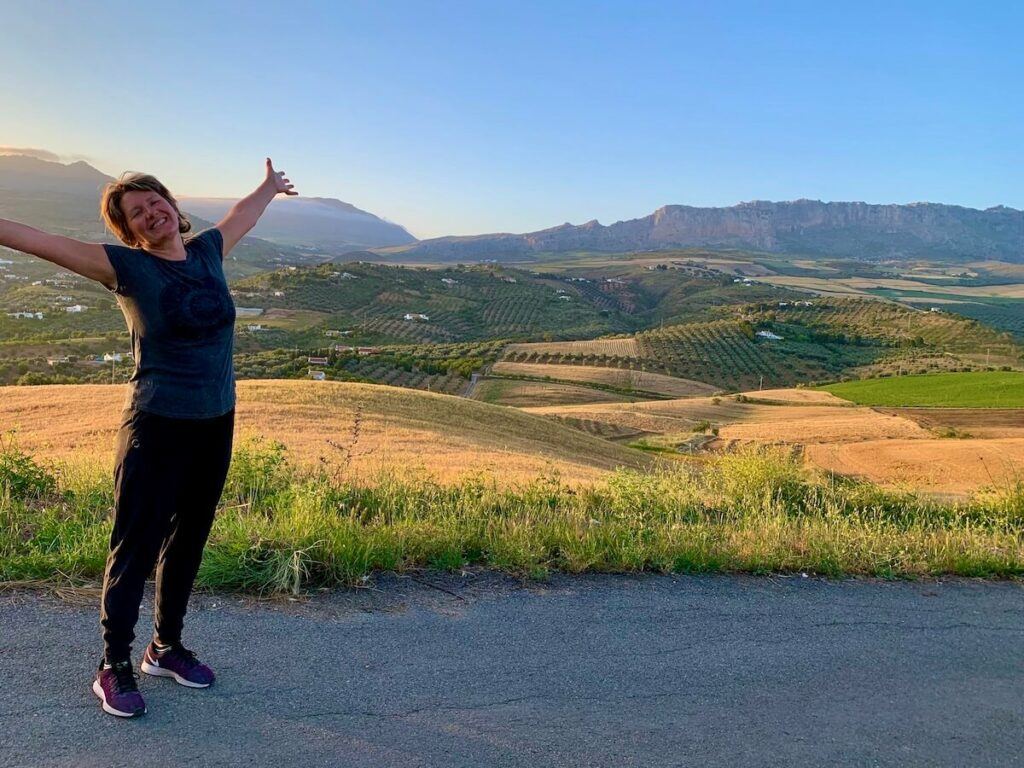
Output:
x=982 y=389
x=786 y=343
x=939 y=450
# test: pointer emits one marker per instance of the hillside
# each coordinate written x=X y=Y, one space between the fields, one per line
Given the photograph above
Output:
x=348 y=428
x=845 y=229
x=786 y=343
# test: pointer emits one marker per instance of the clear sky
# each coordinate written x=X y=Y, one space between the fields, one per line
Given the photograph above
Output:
x=470 y=117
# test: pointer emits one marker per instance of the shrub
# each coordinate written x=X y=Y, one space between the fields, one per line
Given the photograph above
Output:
x=20 y=475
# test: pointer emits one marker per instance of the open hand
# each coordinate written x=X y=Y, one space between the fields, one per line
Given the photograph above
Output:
x=278 y=181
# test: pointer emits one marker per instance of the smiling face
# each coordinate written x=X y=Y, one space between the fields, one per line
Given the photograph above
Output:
x=151 y=219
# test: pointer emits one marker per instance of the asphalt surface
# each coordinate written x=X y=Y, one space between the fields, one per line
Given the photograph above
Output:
x=481 y=670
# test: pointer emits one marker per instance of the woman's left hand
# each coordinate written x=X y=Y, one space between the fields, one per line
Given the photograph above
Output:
x=277 y=180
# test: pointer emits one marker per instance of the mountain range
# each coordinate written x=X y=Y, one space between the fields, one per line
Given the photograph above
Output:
x=64 y=198
x=800 y=227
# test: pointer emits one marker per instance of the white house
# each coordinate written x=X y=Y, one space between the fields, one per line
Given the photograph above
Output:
x=113 y=357
x=769 y=335
x=317 y=375
x=415 y=316
x=448 y=281
x=26 y=315
x=75 y=308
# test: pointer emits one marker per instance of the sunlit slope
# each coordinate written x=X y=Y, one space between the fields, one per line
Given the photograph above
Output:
x=353 y=428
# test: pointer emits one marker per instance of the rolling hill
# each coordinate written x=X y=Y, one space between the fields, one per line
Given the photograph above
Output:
x=347 y=428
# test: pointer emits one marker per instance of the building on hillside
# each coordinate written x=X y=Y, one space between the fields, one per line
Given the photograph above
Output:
x=449 y=281
x=334 y=333
x=256 y=328
x=26 y=315
x=74 y=308
x=52 y=361
x=317 y=375
x=565 y=298
x=769 y=335
x=113 y=357
x=415 y=316
x=317 y=360
x=367 y=350
x=248 y=311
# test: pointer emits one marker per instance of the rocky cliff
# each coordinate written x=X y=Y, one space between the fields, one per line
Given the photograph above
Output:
x=857 y=230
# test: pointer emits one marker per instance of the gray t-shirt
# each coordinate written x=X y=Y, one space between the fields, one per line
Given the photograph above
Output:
x=182 y=322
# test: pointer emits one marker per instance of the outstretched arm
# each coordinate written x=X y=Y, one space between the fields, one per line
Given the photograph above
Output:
x=86 y=259
x=246 y=212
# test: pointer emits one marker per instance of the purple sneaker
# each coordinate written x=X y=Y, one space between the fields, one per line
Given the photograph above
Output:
x=177 y=662
x=115 y=686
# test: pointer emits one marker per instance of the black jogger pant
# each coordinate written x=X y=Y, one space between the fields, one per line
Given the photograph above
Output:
x=168 y=477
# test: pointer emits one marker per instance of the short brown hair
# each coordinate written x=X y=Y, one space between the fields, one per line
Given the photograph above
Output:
x=110 y=204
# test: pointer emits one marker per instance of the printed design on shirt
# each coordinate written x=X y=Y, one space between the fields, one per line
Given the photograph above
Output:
x=196 y=310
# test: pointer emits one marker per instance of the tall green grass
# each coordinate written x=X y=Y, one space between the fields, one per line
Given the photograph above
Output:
x=285 y=529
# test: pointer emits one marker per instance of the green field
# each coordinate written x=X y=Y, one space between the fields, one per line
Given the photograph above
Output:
x=979 y=389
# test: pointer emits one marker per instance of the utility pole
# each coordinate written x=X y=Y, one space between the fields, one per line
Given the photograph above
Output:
x=112 y=364
x=760 y=384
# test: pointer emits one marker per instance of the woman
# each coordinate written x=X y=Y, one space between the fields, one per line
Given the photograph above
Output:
x=174 y=444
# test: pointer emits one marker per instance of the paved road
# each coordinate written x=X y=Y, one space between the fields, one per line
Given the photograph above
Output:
x=595 y=671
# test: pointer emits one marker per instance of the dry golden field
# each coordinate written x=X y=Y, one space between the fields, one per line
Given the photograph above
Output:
x=945 y=466
x=354 y=428
x=612 y=377
x=626 y=347
x=971 y=422
x=793 y=422
x=898 y=447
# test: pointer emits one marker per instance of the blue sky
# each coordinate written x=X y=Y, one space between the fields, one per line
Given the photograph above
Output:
x=469 y=117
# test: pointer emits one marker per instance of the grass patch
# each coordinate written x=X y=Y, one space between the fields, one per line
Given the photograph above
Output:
x=280 y=529
x=979 y=389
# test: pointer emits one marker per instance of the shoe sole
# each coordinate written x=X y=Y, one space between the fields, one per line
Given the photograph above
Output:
x=98 y=690
x=155 y=671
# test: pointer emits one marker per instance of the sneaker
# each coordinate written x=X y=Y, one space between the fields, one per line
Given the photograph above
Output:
x=177 y=662
x=115 y=686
